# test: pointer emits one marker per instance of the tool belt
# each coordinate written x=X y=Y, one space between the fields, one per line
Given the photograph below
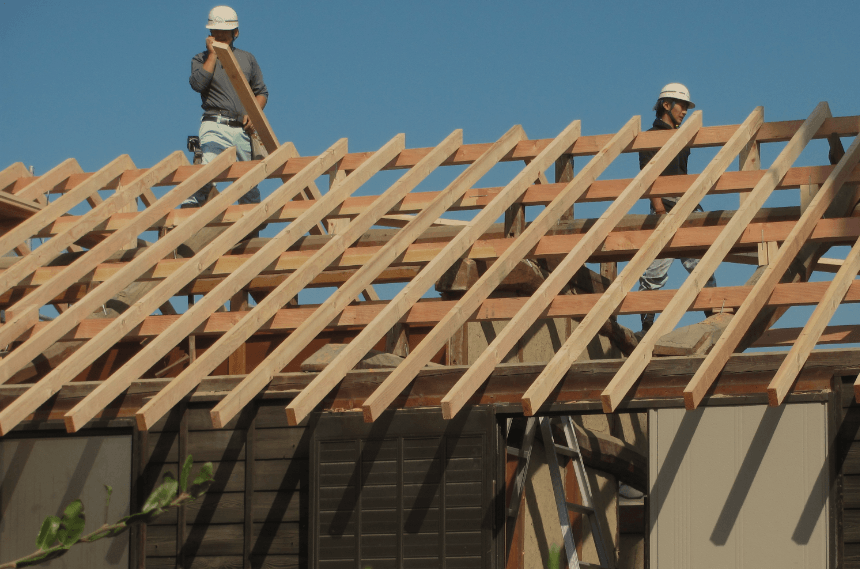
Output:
x=222 y=117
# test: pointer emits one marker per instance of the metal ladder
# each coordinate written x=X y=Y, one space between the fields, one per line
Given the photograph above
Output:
x=553 y=449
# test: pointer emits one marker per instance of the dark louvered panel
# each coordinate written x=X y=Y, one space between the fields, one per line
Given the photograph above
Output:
x=415 y=494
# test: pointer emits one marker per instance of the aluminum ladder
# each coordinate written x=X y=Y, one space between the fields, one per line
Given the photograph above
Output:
x=553 y=449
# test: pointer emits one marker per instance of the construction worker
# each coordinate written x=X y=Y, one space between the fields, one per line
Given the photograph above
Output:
x=225 y=122
x=671 y=108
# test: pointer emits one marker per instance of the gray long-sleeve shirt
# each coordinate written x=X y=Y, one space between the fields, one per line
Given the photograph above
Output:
x=216 y=91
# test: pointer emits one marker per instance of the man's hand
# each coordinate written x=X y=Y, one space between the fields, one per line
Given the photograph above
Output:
x=657 y=204
x=209 y=47
x=246 y=124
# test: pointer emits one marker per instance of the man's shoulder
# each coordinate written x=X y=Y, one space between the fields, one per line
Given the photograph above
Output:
x=241 y=53
x=201 y=57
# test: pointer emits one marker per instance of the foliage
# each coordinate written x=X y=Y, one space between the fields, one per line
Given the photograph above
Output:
x=57 y=535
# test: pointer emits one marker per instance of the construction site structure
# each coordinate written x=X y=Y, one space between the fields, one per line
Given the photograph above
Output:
x=360 y=431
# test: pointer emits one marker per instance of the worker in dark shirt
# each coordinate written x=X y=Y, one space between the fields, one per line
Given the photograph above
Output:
x=225 y=122
x=671 y=108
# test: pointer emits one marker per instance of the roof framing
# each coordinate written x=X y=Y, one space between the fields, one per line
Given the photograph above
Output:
x=417 y=253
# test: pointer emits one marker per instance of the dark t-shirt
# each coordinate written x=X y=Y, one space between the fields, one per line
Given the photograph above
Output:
x=677 y=167
x=216 y=91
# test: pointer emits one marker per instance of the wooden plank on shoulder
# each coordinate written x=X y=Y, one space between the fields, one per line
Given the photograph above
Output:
x=413 y=291
x=642 y=355
x=575 y=344
x=205 y=307
x=246 y=95
x=487 y=283
x=737 y=328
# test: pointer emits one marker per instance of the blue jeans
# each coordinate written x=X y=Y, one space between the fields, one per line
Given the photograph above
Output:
x=657 y=273
x=214 y=139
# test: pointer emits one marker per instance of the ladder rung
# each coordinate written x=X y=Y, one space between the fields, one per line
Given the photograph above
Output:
x=566 y=451
x=517 y=452
x=579 y=508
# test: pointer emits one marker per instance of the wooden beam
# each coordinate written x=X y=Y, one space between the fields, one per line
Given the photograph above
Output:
x=211 y=302
x=487 y=283
x=46 y=182
x=246 y=95
x=584 y=146
x=430 y=313
x=149 y=303
x=635 y=364
x=732 y=335
x=814 y=327
x=25 y=313
x=203 y=258
x=12 y=173
x=374 y=266
x=26 y=229
x=564 y=271
x=619 y=246
x=539 y=194
x=576 y=343
x=13 y=207
x=410 y=294
x=267 y=307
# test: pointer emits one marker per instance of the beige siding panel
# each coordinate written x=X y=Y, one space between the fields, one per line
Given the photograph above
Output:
x=739 y=487
x=39 y=476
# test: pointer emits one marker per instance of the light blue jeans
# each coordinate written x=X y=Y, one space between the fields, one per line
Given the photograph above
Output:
x=657 y=273
x=214 y=139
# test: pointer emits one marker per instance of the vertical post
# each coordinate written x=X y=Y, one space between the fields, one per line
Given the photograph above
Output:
x=236 y=361
x=397 y=340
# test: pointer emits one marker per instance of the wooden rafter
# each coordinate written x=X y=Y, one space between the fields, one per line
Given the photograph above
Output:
x=638 y=360
x=264 y=310
x=410 y=294
x=211 y=302
x=538 y=393
x=561 y=275
x=732 y=335
x=488 y=282
x=355 y=256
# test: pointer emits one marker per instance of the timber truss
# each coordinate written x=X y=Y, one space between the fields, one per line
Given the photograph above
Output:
x=102 y=356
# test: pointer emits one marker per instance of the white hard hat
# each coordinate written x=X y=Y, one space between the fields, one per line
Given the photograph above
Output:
x=675 y=91
x=222 y=18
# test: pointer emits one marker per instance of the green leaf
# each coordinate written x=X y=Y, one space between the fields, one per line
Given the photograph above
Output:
x=72 y=525
x=48 y=532
x=161 y=496
x=186 y=472
x=203 y=480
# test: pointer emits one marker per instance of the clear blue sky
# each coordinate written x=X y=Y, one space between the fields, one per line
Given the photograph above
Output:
x=96 y=79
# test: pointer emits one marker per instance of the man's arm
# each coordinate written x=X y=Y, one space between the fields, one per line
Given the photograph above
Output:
x=201 y=75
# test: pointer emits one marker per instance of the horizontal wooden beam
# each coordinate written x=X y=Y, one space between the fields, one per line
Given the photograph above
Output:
x=618 y=246
x=431 y=311
x=744 y=378
x=525 y=150
x=477 y=198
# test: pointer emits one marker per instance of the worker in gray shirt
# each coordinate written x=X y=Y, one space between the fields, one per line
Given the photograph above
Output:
x=225 y=122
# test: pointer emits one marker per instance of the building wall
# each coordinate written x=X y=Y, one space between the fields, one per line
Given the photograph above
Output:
x=740 y=487
x=257 y=445
x=40 y=475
